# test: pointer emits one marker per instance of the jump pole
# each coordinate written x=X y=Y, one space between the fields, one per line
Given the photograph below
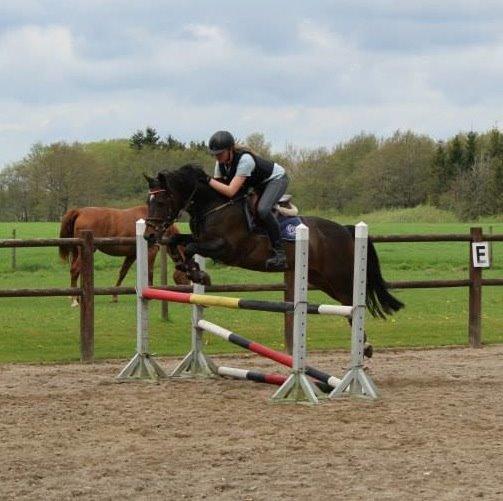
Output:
x=142 y=365
x=244 y=304
x=260 y=377
x=265 y=351
x=356 y=381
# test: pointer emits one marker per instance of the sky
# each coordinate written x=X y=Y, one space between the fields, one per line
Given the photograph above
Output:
x=304 y=73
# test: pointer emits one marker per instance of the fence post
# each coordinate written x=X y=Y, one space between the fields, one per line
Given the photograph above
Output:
x=475 y=296
x=14 y=251
x=164 y=279
x=288 y=296
x=87 y=298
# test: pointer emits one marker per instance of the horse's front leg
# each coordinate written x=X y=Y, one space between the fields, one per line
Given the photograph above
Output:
x=210 y=248
x=176 y=249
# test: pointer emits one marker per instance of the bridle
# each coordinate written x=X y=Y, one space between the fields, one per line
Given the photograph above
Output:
x=159 y=224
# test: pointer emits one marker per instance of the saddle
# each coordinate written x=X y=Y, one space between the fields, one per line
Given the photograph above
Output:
x=287 y=224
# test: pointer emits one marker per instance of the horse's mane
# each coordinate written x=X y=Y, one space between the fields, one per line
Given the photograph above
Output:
x=185 y=179
x=182 y=179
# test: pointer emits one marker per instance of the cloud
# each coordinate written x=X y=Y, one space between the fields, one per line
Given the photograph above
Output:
x=90 y=70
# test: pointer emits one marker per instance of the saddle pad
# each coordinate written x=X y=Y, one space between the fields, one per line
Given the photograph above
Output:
x=287 y=226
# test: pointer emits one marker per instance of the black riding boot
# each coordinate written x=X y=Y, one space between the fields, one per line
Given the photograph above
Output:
x=278 y=261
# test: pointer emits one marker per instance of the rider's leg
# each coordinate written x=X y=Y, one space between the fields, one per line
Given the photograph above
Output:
x=272 y=193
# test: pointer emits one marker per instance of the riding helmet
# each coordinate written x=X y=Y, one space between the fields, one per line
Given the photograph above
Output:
x=220 y=141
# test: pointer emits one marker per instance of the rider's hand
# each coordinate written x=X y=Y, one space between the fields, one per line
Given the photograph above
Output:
x=204 y=179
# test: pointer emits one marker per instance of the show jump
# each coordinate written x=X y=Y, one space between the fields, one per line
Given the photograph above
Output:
x=305 y=383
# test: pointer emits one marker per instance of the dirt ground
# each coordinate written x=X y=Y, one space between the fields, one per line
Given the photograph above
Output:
x=436 y=432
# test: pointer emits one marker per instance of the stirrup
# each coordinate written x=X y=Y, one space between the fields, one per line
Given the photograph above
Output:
x=277 y=262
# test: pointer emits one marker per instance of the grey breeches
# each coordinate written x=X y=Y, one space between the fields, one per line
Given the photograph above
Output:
x=273 y=191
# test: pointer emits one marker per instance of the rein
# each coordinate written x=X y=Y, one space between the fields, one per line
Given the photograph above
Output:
x=169 y=222
x=224 y=205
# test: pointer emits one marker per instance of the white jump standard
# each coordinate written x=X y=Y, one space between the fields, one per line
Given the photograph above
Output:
x=356 y=379
x=142 y=365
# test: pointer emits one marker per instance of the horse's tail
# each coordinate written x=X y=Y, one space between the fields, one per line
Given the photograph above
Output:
x=66 y=231
x=379 y=301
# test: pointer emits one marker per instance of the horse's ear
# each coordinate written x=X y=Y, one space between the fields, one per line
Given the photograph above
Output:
x=161 y=179
x=150 y=180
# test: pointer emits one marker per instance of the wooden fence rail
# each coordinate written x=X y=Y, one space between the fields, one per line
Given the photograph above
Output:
x=87 y=291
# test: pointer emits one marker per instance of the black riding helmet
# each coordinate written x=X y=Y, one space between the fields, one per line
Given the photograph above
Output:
x=220 y=141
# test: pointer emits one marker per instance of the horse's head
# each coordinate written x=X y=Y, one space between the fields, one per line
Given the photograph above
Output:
x=170 y=193
x=163 y=207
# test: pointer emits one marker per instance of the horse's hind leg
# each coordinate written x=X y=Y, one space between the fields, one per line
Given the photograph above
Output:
x=128 y=261
x=343 y=295
x=75 y=268
x=368 y=349
x=347 y=299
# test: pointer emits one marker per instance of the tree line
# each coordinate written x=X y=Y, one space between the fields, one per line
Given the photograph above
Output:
x=463 y=174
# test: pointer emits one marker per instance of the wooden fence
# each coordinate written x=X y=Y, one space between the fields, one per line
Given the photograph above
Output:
x=87 y=291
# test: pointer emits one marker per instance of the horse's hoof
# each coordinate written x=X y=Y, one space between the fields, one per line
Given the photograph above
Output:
x=199 y=277
x=205 y=278
x=180 y=278
x=368 y=350
x=74 y=304
x=115 y=299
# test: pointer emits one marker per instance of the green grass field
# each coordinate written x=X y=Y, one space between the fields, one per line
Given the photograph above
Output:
x=47 y=329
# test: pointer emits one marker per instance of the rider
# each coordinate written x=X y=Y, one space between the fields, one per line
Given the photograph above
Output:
x=237 y=169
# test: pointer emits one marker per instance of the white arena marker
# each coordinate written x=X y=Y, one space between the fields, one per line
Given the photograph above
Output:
x=480 y=255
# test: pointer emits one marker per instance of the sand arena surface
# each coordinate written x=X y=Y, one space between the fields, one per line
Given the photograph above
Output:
x=69 y=431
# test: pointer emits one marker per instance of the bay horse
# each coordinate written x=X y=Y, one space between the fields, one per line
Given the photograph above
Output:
x=220 y=231
x=108 y=222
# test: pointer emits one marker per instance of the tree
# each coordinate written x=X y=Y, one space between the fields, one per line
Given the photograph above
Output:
x=257 y=143
x=496 y=166
x=141 y=139
x=173 y=144
x=398 y=174
x=495 y=143
x=455 y=156
x=137 y=140
x=198 y=146
x=17 y=202
x=472 y=192
x=439 y=169
x=471 y=150
x=151 y=137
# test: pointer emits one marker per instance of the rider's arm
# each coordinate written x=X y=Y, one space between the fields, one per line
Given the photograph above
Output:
x=243 y=170
x=231 y=189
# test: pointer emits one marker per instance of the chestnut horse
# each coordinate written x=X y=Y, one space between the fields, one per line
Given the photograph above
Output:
x=220 y=232
x=107 y=222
